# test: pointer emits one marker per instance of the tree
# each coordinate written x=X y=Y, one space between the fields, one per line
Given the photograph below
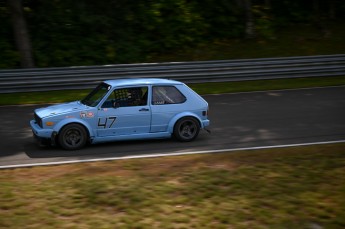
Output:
x=21 y=34
x=250 y=27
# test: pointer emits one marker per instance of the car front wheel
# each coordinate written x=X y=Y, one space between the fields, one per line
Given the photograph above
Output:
x=72 y=137
x=186 y=129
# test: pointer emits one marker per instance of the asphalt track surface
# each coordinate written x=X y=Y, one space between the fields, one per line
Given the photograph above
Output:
x=237 y=120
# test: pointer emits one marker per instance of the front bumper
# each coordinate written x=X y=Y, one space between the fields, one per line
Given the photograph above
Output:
x=205 y=123
x=40 y=132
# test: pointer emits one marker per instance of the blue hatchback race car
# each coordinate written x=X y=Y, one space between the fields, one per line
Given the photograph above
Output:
x=124 y=109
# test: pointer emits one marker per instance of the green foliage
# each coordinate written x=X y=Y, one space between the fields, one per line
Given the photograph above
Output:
x=86 y=32
x=173 y=24
x=8 y=55
x=264 y=22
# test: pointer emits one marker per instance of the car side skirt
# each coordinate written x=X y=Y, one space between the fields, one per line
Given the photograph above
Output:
x=158 y=135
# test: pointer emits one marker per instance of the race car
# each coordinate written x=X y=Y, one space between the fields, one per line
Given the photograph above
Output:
x=124 y=109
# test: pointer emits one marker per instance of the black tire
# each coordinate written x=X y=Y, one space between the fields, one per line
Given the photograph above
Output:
x=186 y=129
x=72 y=137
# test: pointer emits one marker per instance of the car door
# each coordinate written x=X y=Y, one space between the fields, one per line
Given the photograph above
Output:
x=125 y=112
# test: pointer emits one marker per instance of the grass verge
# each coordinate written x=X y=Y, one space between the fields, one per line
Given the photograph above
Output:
x=204 y=88
x=277 y=188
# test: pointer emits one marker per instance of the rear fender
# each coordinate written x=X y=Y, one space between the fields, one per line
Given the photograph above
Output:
x=179 y=116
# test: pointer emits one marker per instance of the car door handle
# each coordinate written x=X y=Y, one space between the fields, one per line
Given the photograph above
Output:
x=144 y=109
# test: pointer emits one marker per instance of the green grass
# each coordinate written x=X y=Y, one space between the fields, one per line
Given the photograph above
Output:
x=277 y=188
x=264 y=85
x=204 y=88
x=42 y=97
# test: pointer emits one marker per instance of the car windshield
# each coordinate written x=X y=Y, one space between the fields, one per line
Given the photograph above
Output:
x=96 y=95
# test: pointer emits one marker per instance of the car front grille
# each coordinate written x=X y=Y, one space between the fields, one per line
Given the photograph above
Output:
x=38 y=120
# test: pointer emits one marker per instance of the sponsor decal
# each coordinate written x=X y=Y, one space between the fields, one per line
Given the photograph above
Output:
x=87 y=114
x=90 y=114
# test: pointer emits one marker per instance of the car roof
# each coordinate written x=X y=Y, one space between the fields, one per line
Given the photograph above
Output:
x=140 y=81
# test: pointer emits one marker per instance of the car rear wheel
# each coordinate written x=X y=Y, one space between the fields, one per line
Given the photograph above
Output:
x=186 y=129
x=72 y=137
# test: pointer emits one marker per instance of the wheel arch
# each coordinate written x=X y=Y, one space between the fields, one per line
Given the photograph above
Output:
x=63 y=123
x=177 y=117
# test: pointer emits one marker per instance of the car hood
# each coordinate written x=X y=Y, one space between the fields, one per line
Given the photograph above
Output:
x=59 y=109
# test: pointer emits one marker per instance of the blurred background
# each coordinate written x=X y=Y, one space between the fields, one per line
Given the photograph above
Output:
x=38 y=33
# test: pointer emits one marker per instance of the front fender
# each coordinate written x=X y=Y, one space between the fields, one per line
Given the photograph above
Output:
x=179 y=116
x=64 y=122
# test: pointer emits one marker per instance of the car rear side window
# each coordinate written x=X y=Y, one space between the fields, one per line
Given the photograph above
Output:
x=166 y=95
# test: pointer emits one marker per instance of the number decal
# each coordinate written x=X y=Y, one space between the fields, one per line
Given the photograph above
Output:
x=111 y=124
x=104 y=125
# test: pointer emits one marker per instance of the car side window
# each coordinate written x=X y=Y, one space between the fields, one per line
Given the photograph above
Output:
x=166 y=95
x=127 y=97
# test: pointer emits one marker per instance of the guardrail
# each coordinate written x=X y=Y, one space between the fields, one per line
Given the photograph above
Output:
x=46 y=79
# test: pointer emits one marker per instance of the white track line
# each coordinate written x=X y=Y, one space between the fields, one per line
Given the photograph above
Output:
x=167 y=154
